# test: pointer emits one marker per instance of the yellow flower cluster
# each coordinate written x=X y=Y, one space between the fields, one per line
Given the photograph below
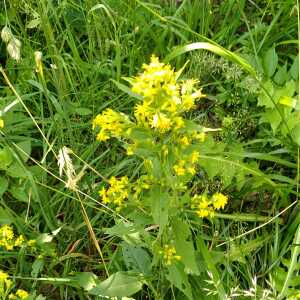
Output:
x=206 y=207
x=117 y=193
x=187 y=165
x=164 y=99
x=1 y=123
x=5 y=283
x=111 y=123
x=142 y=183
x=20 y=294
x=8 y=239
x=169 y=254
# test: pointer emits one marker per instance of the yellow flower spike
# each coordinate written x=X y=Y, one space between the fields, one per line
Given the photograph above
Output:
x=1 y=123
x=219 y=200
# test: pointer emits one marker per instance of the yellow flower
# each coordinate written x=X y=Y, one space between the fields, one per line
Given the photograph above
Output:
x=188 y=102
x=130 y=150
x=1 y=123
x=169 y=254
x=102 y=136
x=6 y=232
x=3 y=276
x=142 y=112
x=112 y=124
x=161 y=122
x=200 y=136
x=195 y=156
x=191 y=170
x=202 y=206
x=219 y=200
x=22 y=294
x=179 y=168
x=31 y=243
x=117 y=193
x=19 y=241
x=184 y=141
x=6 y=237
x=179 y=123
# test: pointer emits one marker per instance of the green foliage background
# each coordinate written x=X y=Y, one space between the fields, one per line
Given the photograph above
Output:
x=249 y=70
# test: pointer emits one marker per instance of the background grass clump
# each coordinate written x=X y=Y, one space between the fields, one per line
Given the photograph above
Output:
x=65 y=62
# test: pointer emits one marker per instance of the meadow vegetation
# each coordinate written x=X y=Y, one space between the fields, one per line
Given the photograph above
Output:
x=149 y=149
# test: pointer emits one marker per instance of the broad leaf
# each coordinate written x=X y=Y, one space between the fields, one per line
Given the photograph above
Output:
x=185 y=247
x=160 y=208
x=136 y=258
x=179 y=279
x=119 y=284
x=270 y=62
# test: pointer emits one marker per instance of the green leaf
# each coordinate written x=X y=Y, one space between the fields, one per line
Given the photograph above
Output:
x=25 y=146
x=126 y=90
x=82 y=111
x=5 y=158
x=136 y=258
x=5 y=216
x=33 y=23
x=16 y=171
x=119 y=284
x=3 y=185
x=85 y=280
x=215 y=48
x=37 y=267
x=238 y=252
x=210 y=262
x=272 y=117
x=19 y=192
x=263 y=99
x=126 y=231
x=270 y=62
x=296 y=134
x=294 y=70
x=185 y=248
x=179 y=279
x=160 y=207
x=281 y=75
